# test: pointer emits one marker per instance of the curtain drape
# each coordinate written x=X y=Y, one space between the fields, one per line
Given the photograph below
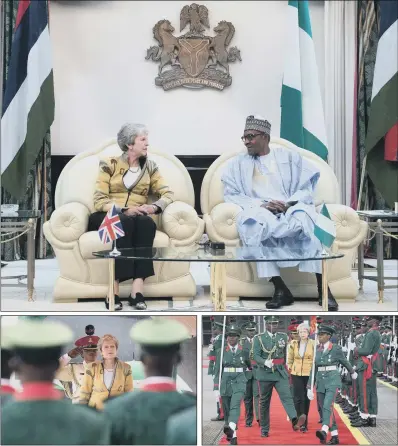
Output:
x=340 y=36
x=38 y=185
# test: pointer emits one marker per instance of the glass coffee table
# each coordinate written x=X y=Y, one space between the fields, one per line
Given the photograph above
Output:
x=218 y=261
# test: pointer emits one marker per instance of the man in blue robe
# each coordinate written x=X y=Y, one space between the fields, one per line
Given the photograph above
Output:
x=275 y=189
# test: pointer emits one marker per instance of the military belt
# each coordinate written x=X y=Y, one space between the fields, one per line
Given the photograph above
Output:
x=327 y=368
x=233 y=369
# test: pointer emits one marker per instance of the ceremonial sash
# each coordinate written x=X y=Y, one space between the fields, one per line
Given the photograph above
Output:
x=369 y=362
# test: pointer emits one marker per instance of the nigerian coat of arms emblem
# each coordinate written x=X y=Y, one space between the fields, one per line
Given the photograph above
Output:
x=193 y=59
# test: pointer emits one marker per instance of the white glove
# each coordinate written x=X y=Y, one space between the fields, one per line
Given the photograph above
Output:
x=268 y=363
x=354 y=367
x=310 y=394
x=217 y=393
x=345 y=349
x=354 y=375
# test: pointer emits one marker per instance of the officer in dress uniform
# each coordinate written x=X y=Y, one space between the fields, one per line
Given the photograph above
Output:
x=71 y=375
x=368 y=368
x=35 y=415
x=252 y=395
x=327 y=378
x=231 y=363
x=214 y=348
x=141 y=417
x=269 y=352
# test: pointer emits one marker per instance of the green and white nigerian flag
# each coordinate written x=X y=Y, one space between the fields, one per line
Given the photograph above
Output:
x=302 y=117
x=325 y=229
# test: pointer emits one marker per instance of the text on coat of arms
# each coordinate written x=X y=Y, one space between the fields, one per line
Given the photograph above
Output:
x=193 y=59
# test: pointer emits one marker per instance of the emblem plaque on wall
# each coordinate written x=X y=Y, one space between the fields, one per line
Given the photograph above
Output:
x=194 y=59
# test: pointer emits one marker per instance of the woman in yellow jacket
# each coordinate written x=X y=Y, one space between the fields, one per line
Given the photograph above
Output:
x=107 y=378
x=128 y=181
x=299 y=361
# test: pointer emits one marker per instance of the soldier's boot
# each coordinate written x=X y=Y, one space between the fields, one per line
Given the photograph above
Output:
x=264 y=432
x=234 y=440
x=334 y=440
x=351 y=409
x=282 y=295
x=228 y=432
x=322 y=435
x=372 y=421
x=218 y=417
x=362 y=422
x=298 y=422
x=332 y=304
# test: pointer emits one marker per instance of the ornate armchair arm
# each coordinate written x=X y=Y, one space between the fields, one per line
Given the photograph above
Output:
x=69 y=222
x=182 y=224
x=221 y=224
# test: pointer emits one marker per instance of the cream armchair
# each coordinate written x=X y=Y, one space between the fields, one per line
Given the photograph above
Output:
x=242 y=279
x=84 y=276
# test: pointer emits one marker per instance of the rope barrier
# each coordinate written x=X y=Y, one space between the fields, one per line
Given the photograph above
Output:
x=25 y=229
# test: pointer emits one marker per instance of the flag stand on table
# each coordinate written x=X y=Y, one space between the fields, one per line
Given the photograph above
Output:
x=115 y=252
x=325 y=231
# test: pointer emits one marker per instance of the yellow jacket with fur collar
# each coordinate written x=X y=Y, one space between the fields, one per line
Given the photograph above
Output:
x=94 y=392
x=300 y=366
x=110 y=188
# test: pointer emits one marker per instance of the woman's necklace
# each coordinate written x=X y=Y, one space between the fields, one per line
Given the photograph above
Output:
x=134 y=171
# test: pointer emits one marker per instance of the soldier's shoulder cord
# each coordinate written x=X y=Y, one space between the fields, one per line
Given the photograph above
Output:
x=263 y=347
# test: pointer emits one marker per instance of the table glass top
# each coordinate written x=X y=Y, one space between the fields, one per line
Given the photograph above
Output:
x=203 y=254
x=20 y=214
x=378 y=214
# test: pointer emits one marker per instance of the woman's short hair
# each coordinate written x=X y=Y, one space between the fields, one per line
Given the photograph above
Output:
x=108 y=338
x=128 y=132
x=303 y=326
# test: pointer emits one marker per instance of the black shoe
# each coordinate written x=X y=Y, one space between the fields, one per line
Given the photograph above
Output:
x=118 y=304
x=217 y=418
x=234 y=440
x=320 y=421
x=350 y=410
x=334 y=440
x=298 y=422
x=372 y=422
x=304 y=429
x=228 y=432
x=138 y=301
x=280 y=298
x=362 y=422
x=264 y=432
x=322 y=435
x=249 y=424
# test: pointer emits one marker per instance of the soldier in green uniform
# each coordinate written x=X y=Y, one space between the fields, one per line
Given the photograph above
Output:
x=269 y=352
x=38 y=415
x=327 y=378
x=252 y=395
x=356 y=390
x=181 y=427
x=214 y=349
x=231 y=363
x=141 y=417
x=386 y=342
x=368 y=368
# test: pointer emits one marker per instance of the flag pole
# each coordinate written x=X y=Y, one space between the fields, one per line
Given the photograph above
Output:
x=313 y=360
x=115 y=252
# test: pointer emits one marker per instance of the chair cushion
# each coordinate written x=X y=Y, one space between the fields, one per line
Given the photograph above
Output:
x=90 y=242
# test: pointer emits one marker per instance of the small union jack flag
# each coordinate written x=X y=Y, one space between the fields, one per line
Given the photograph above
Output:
x=111 y=228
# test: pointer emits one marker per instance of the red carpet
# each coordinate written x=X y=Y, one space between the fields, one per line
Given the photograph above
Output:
x=281 y=431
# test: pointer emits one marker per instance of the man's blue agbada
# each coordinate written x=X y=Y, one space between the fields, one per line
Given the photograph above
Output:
x=289 y=178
